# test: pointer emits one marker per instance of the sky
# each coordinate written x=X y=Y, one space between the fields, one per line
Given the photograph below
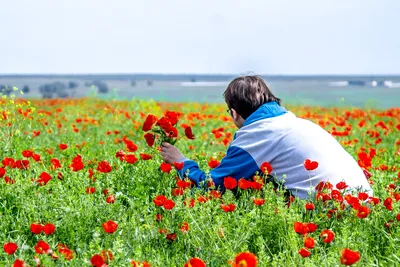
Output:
x=191 y=36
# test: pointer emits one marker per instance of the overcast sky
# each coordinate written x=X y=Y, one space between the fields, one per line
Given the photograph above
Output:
x=200 y=36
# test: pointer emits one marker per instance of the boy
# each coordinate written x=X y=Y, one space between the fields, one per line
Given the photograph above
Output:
x=269 y=133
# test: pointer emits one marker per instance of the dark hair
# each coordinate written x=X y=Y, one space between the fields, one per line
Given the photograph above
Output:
x=247 y=93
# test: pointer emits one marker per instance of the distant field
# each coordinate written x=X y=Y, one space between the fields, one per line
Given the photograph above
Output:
x=300 y=91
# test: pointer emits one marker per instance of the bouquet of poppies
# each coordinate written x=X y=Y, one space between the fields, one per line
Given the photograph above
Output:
x=163 y=129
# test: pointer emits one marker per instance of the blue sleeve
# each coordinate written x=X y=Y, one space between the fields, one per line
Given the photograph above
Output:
x=237 y=163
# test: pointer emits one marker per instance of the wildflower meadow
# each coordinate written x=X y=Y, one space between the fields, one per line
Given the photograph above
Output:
x=83 y=184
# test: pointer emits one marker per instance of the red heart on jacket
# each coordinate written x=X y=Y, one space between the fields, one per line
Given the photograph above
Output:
x=310 y=165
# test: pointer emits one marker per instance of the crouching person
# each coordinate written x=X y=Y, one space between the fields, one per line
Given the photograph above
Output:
x=297 y=149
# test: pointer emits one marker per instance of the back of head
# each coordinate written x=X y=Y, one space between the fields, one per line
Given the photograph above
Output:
x=247 y=93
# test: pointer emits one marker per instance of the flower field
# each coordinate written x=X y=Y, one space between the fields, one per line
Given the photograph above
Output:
x=81 y=186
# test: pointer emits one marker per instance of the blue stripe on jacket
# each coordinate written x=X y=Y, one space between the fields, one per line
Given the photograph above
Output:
x=237 y=163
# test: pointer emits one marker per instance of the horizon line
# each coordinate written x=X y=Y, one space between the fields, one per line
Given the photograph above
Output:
x=193 y=74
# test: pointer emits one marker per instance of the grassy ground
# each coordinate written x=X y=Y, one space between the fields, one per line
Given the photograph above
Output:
x=84 y=193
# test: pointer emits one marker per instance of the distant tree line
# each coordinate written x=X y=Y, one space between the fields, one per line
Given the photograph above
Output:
x=64 y=90
x=61 y=90
x=102 y=87
x=5 y=89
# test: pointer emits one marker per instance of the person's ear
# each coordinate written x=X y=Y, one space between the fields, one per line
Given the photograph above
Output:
x=235 y=115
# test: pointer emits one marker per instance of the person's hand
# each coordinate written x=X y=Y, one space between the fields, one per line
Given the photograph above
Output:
x=170 y=154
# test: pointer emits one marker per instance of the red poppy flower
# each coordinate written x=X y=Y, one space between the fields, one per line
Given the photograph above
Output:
x=183 y=184
x=244 y=184
x=171 y=237
x=172 y=116
x=105 y=192
x=63 y=146
x=259 y=201
x=189 y=202
x=135 y=263
x=189 y=133
x=22 y=164
x=266 y=168
x=131 y=159
x=327 y=236
x=202 y=199
x=367 y=174
x=364 y=160
x=159 y=200
x=165 y=167
x=49 y=228
x=213 y=163
x=9 y=162
x=184 y=227
x=145 y=156
x=310 y=206
x=341 y=185
x=374 y=200
x=336 y=195
x=90 y=190
x=158 y=217
x=91 y=173
x=310 y=227
x=10 y=248
x=19 y=263
x=310 y=165
x=110 y=226
x=63 y=249
x=309 y=242
x=257 y=185
x=230 y=183
x=110 y=199
x=44 y=178
x=304 y=228
x=214 y=194
x=36 y=228
x=130 y=146
x=173 y=132
x=55 y=163
x=42 y=247
x=228 y=207
x=2 y=172
x=8 y=180
x=398 y=217
x=362 y=196
x=323 y=185
x=363 y=212
x=120 y=155
x=195 y=262
x=169 y=204
x=388 y=203
x=27 y=153
x=353 y=201
x=36 y=157
x=104 y=167
x=246 y=259
x=97 y=260
x=149 y=122
x=107 y=255
x=162 y=231
x=77 y=163
x=179 y=165
x=349 y=257
x=178 y=192
x=304 y=252
x=210 y=183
